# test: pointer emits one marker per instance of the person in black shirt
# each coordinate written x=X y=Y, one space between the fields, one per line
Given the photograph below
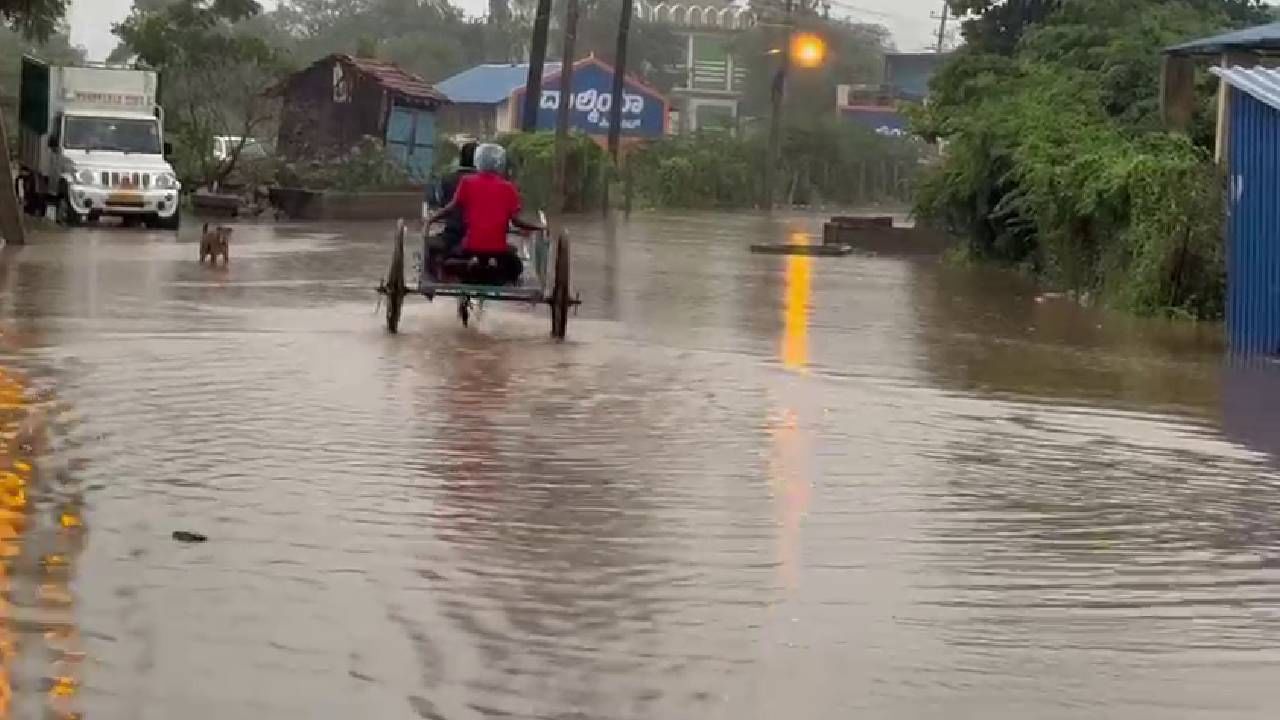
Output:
x=454 y=228
x=441 y=193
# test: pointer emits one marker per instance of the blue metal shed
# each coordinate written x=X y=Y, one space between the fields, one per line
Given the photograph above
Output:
x=1253 y=208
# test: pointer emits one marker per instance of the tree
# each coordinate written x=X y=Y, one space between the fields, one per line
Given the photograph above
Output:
x=652 y=48
x=32 y=19
x=1056 y=159
x=430 y=38
x=36 y=19
x=215 y=76
x=56 y=48
x=998 y=25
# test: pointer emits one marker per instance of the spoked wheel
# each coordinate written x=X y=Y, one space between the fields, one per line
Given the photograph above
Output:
x=559 y=300
x=394 y=286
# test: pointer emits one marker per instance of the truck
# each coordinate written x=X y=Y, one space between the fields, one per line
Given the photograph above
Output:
x=91 y=144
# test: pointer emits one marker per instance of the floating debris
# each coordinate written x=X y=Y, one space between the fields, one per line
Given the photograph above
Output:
x=187 y=536
x=818 y=250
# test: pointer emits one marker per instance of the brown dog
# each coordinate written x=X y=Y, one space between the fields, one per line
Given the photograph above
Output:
x=214 y=243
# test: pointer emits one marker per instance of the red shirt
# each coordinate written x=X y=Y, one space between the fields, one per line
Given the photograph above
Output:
x=488 y=203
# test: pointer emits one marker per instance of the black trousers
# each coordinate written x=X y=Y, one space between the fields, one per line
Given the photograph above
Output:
x=472 y=268
x=489 y=269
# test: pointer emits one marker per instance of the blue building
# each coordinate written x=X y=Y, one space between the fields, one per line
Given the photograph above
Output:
x=487 y=100
x=908 y=74
x=1251 y=151
x=481 y=98
x=906 y=79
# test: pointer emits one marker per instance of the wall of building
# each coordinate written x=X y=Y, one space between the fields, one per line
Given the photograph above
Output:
x=506 y=117
x=1253 y=226
x=317 y=120
x=473 y=119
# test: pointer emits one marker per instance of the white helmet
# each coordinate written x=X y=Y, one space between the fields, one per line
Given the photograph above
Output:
x=491 y=158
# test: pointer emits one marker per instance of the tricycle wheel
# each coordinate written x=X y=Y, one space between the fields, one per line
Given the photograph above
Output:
x=559 y=300
x=394 y=286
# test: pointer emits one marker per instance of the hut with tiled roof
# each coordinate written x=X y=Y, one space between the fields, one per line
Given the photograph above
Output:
x=340 y=99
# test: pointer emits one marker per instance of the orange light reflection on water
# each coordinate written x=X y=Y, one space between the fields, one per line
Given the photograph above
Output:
x=15 y=476
x=788 y=466
x=22 y=429
x=795 y=312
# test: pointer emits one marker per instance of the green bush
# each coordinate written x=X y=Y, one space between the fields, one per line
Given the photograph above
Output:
x=825 y=161
x=366 y=167
x=1037 y=173
x=712 y=169
x=529 y=159
x=1056 y=158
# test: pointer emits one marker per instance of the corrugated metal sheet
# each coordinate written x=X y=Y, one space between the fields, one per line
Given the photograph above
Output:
x=1261 y=37
x=490 y=84
x=1262 y=83
x=1253 y=223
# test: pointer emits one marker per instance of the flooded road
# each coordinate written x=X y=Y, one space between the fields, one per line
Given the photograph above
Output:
x=747 y=487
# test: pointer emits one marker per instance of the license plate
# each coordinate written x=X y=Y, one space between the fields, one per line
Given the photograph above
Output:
x=125 y=199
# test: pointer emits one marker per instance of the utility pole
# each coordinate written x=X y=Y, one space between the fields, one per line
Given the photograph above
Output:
x=942 y=26
x=11 y=228
x=775 y=119
x=537 y=59
x=559 y=169
x=619 y=73
x=616 y=101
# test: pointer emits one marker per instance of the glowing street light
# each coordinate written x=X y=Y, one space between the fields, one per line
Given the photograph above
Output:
x=808 y=50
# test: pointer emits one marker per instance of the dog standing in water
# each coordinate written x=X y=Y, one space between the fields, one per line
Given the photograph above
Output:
x=214 y=243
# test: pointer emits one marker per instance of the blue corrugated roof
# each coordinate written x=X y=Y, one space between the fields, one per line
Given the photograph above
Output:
x=1261 y=37
x=490 y=84
x=1262 y=83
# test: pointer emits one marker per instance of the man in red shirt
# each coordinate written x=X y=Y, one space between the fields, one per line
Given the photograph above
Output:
x=489 y=204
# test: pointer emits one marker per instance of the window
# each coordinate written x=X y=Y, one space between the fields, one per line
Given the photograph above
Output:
x=112 y=134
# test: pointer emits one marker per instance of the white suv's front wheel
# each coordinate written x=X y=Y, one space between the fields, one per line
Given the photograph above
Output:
x=174 y=222
x=67 y=214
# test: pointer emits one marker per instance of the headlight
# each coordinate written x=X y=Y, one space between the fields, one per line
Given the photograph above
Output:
x=87 y=177
x=166 y=181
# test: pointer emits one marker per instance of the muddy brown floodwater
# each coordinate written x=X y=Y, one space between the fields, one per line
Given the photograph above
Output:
x=747 y=487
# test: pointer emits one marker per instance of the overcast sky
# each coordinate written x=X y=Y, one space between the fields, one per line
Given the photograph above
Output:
x=909 y=20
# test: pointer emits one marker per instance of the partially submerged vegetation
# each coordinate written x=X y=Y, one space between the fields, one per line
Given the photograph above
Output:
x=1056 y=160
x=365 y=168
x=529 y=157
x=823 y=162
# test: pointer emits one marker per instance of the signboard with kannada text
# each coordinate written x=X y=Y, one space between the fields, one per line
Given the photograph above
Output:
x=644 y=111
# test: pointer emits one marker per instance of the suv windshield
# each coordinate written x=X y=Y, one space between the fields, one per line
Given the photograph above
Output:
x=120 y=135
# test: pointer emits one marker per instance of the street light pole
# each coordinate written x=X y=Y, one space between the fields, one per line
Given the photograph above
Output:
x=942 y=26
x=775 y=120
